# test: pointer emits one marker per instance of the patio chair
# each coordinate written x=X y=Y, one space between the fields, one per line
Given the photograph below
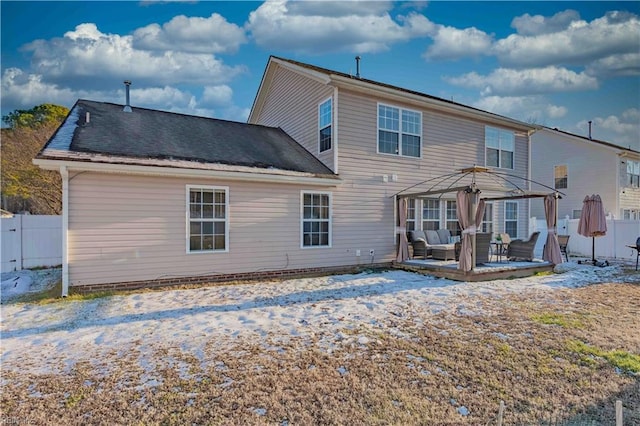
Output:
x=563 y=240
x=519 y=249
x=637 y=249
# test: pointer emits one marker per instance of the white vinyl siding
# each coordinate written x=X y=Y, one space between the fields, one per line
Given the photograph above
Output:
x=316 y=219
x=511 y=218
x=325 y=119
x=207 y=213
x=500 y=145
x=399 y=131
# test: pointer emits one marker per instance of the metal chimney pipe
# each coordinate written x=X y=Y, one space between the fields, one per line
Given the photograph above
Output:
x=589 y=129
x=358 y=66
x=127 y=107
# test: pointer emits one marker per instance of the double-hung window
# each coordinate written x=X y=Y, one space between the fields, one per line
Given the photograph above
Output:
x=487 y=219
x=452 y=218
x=208 y=216
x=560 y=176
x=511 y=218
x=399 y=131
x=316 y=219
x=411 y=214
x=431 y=214
x=324 y=125
x=633 y=173
x=499 y=146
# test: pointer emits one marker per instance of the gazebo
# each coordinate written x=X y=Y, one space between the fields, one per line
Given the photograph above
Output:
x=470 y=206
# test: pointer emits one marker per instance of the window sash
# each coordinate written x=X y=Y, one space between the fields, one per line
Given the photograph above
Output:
x=207 y=226
x=560 y=177
x=316 y=219
x=411 y=214
x=487 y=219
x=430 y=214
x=399 y=131
x=325 y=119
x=511 y=218
x=499 y=148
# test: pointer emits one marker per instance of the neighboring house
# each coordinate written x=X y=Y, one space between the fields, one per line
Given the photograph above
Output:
x=579 y=166
x=152 y=198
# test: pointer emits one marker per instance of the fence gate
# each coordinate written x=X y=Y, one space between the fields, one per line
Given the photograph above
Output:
x=30 y=241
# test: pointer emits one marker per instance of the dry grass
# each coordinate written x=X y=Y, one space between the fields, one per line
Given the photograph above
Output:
x=523 y=349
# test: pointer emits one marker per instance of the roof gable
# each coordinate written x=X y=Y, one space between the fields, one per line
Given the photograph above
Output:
x=104 y=128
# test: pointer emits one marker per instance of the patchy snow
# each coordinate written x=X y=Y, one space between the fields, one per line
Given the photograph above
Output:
x=324 y=311
x=63 y=137
x=19 y=283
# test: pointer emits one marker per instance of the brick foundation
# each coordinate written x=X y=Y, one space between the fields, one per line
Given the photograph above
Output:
x=224 y=278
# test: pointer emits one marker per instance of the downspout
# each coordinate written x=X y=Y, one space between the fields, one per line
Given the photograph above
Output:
x=65 y=230
x=335 y=130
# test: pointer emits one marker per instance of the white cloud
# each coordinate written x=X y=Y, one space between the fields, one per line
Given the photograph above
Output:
x=504 y=81
x=452 y=43
x=538 y=24
x=579 y=43
x=316 y=27
x=616 y=65
x=191 y=34
x=623 y=130
x=87 y=52
x=217 y=95
x=530 y=109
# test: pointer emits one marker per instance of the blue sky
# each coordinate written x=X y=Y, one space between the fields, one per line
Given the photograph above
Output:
x=559 y=64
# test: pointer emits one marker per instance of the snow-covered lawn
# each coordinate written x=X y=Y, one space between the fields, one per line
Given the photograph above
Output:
x=387 y=347
x=53 y=337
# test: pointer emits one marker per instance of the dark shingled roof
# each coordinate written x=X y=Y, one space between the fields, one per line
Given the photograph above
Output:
x=146 y=133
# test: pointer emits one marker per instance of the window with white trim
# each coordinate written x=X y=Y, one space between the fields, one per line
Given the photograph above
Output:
x=511 y=218
x=207 y=212
x=499 y=147
x=431 y=214
x=560 y=176
x=487 y=219
x=324 y=125
x=633 y=173
x=399 y=131
x=630 y=214
x=411 y=214
x=451 y=216
x=576 y=214
x=316 y=219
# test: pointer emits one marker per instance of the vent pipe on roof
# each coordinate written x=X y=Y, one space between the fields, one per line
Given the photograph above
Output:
x=357 y=66
x=589 y=129
x=127 y=107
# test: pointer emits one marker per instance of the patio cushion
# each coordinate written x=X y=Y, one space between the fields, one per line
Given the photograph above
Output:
x=443 y=247
x=444 y=235
x=417 y=235
x=432 y=237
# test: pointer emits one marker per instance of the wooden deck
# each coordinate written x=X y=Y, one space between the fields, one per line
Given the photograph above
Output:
x=486 y=272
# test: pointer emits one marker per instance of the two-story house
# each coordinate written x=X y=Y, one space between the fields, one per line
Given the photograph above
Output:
x=579 y=166
x=307 y=186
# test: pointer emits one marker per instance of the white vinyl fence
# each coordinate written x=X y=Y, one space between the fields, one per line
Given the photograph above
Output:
x=613 y=245
x=30 y=241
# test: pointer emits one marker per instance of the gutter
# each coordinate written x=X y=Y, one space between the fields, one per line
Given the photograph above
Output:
x=137 y=169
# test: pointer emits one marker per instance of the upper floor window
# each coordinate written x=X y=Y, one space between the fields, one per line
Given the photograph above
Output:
x=560 y=176
x=316 y=219
x=324 y=125
x=399 y=131
x=633 y=173
x=208 y=227
x=500 y=145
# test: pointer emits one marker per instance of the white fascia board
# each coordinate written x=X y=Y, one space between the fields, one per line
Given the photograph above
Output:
x=81 y=166
x=416 y=99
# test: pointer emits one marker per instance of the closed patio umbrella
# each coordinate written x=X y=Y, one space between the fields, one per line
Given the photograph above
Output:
x=593 y=222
